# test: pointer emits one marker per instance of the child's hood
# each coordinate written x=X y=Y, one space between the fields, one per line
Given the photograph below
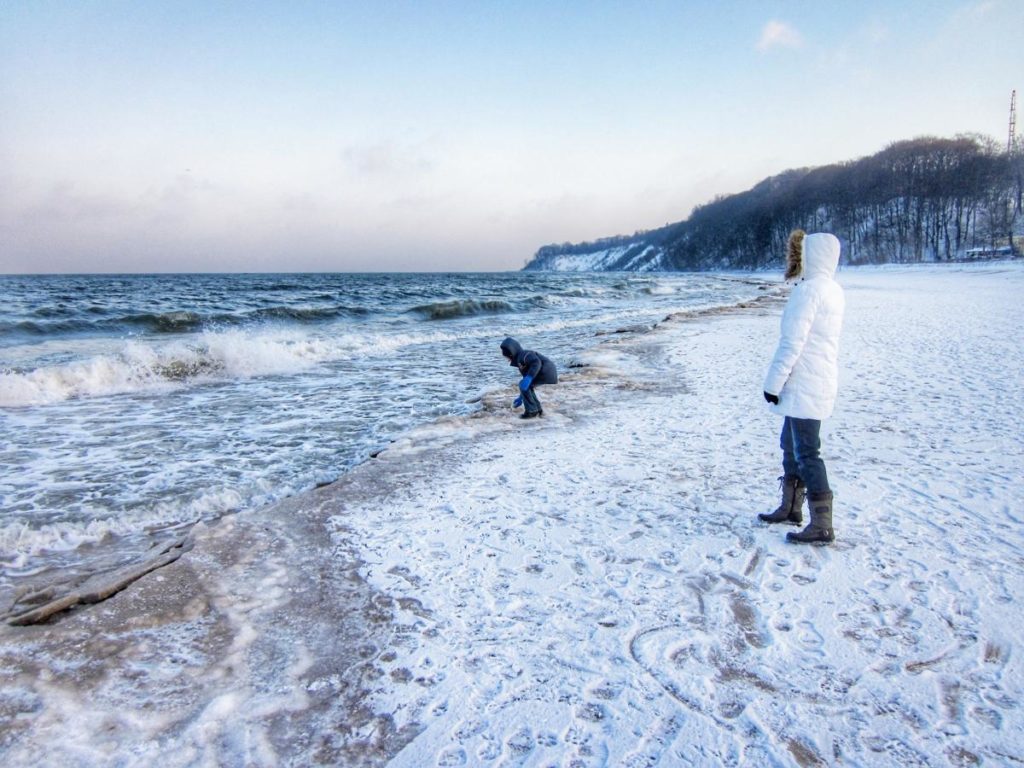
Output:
x=512 y=349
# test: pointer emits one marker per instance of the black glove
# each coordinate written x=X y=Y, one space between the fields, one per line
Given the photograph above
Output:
x=773 y=399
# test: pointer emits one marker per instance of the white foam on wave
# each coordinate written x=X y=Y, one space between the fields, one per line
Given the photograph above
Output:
x=246 y=353
x=96 y=375
x=232 y=354
x=20 y=542
x=659 y=289
x=152 y=367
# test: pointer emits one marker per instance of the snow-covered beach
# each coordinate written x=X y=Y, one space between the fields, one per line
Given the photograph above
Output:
x=593 y=588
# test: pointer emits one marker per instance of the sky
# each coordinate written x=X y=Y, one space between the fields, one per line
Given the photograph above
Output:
x=449 y=136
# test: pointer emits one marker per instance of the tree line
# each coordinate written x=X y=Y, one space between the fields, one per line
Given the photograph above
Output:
x=926 y=199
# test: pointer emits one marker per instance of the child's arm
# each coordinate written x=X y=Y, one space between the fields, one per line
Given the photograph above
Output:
x=533 y=365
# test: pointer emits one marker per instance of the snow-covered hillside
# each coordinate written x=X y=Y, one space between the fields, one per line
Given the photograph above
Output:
x=630 y=257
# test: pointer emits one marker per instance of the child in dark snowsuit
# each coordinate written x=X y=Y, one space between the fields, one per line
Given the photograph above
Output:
x=535 y=368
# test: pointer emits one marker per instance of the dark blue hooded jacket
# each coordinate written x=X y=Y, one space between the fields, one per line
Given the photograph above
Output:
x=530 y=363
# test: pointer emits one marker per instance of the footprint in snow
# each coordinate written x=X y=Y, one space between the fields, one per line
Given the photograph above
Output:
x=490 y=750
x=655 y=742
x=452 y=757
x=617 y=578
x=810 y=639
x=520 y=744
x=808 y=568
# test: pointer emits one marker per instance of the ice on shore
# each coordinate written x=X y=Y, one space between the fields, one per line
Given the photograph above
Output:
x=593 y=588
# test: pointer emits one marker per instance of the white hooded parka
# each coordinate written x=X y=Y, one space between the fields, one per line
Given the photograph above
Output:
x=805 y=370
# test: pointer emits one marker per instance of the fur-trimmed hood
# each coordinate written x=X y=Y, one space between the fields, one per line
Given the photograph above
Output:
x=810 y=256
x=804 y=372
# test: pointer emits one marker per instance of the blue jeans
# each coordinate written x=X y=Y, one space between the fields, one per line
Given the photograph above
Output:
x=801 y=446
x=530 y=402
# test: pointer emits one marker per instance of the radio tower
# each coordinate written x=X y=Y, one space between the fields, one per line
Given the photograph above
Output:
x=1011 y=142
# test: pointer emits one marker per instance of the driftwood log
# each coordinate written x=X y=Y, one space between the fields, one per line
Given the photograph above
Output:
x=109 y=585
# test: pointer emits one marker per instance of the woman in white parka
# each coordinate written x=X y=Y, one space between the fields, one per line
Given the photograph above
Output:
x=803 y=380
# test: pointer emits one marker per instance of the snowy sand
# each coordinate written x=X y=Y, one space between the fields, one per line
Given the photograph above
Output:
x=592 y=588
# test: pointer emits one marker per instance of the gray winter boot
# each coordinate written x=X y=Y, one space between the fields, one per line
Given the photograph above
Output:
x=789 y=511
x=819 y=531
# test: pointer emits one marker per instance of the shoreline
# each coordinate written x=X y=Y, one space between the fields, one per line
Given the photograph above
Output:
x=195 y=597
x=590 y=587
x=114 y=556
x=58 y=523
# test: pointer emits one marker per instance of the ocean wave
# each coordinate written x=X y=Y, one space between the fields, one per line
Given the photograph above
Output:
x=166 y=322
x=21 y=542
x=275 y=287
x=25 y=327
x=242 y=353
x=174 y=322
x=137 y=367
x=447 y=310
x=580 y=292
x=305 y=314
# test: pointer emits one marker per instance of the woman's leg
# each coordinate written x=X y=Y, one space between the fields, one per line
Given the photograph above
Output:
x=806 y=441
x=789 y=466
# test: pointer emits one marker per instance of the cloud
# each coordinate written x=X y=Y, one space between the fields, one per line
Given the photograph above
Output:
x=387 y=159
x=973 y=13
x=877 y=32
x=65 y=203
x=779 y=34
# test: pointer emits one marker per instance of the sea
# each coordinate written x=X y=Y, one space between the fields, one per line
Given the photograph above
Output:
x=134 y=406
